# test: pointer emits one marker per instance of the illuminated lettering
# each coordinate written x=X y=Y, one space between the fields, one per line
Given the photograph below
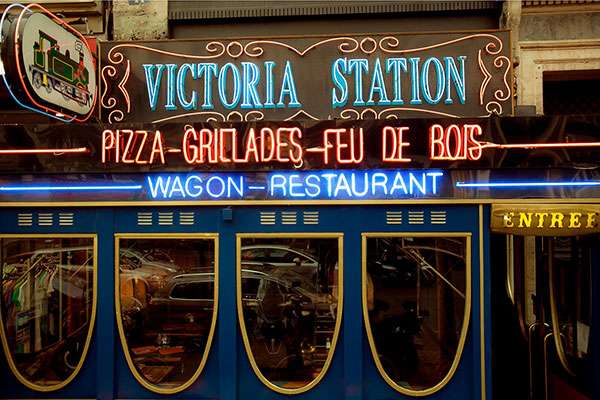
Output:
x=235 y=81
x=439 y=80
x=396 y=66
x=194 y=186
x=456 y=77
x=507 y=220
x=395 y=152
x=209 y=70
x=591 y=220
x=338 y=69
x=181 y=76
x=281 y=185
x=251 y=74
x=171 y=89
x=455 y=142
x=153 y=82
x=541 y=218
x=126 y=146
x=378 y=86
x=556 y=220
x=574 y=221
x=525 y=219
x=288 y=88
x=157 y=148
x=237 y=85
x=344 y=139
x=433 y=80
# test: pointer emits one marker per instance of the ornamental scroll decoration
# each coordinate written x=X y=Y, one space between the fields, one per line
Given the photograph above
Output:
x=126 y=90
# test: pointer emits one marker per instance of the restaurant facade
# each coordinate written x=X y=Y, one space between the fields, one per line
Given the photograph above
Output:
x=314 y=202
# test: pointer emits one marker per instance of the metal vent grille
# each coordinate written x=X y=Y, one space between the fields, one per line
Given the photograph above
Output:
x=186 y=218
x=25 y=219
x=393 y=217
x=438 y=217
x=310 y=218
x=144 y=218
x=267 y=217
x=45 y=219
x=416 y=217
x=165 y=218
x=289 y=217
x=65 y=219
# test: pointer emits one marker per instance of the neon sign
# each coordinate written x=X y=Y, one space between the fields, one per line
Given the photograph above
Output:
x=301 y=78
x=290 y=146
x=284 y=145
x=330 y=185
x=47 y=66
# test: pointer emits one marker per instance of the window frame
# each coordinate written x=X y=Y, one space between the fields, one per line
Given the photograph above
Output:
x=466 y=316
x=88 y=340
x=117 y=287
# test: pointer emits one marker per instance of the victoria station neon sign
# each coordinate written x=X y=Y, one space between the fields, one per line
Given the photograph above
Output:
x=315 y=78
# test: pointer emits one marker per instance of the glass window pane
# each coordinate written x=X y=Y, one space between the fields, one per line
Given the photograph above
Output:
x=571 y=262
x=47 y=306
x=290 y=308
x=167 y=303
x=415 y=299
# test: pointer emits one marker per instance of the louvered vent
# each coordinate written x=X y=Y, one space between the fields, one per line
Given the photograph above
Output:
x=438 y=217
x=45 y=219
x=144 y=218
x=310 y=217
x=186 y=218
x=393 y=217
x=165 y=218
x=65 y=219
x=416 y=217
x=267 y=217
x=25 y=219
x=288 y=217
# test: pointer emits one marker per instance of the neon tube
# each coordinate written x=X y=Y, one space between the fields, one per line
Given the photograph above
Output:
x=68 y=188
x=526 y=184
x=44 y=151
x=540 y=145
x=4 y=76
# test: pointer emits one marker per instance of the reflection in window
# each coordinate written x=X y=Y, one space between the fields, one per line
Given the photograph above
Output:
x=571 y=263
x=289 y=298
x=47 y=306
x=416 y=293
x=167 y=295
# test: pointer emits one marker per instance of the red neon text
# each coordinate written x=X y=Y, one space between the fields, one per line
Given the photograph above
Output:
x=348 y=145
x=220 y=145
x=392 y=144
x=455 y=142
x=129 y=147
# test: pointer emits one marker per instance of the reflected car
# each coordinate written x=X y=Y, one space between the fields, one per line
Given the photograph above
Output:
x=279 y=256
x=153 y=272
x=185 y=297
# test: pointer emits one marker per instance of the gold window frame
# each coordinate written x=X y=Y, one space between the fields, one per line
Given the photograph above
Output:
x=88 y=340
x=340 y=303
x=466 y=317
x=151 y=387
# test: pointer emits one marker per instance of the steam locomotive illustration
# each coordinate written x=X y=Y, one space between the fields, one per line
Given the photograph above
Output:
x=56 y=71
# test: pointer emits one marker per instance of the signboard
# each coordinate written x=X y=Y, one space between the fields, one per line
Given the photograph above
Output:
x=384 y=160
x=536 y=143
x=49 y=65
x=545 y=220
x=307 y=78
